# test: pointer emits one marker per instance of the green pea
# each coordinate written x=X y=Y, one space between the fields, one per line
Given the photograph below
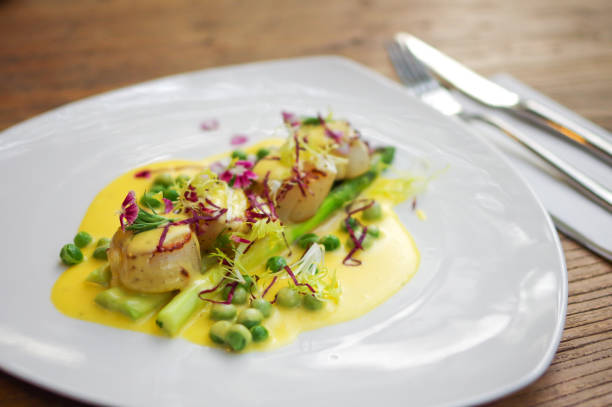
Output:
x=366 y=243
x=71 y=254
x=100 y=253
x=220 y=312
x=182 y=180
x=330 y=242
x=238 y=337
x=218 y=331
x=374 y=231
x=374 y=212
x=312 y=303
x=263 y=306
x=306 y=240
x=239 y=154
x=149 y=201
x=82 y=239
x=262 y=152
x=171 y=194
x=353 y=223
x=276 y=263
x=157 y=188
x=103 y=241
x=240 y=294
x=250 y=317
x=287 y=297
x=164 y=179
x=259 y=333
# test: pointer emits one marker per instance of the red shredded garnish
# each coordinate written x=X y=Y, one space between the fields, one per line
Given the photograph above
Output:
x=298 y=179
x=349 y=260
x=357 y=242
x=351 y=211
x=211 y=203
x=143 y=174
x=162 y=238
x=269 y=286
x=238 y=139
x=351 y=232
x=296 y=282
x=239 y=239
x=209 y=125
x=414 y=203
x=334 y=135
x=297 y=148
x=248 y=247
x=230 y=295
x=210 y=290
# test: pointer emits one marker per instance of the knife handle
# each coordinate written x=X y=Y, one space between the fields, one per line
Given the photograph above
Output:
x=582 y=182
x=567 y=127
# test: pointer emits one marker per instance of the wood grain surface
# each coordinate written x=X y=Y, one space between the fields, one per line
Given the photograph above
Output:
x=54 y=52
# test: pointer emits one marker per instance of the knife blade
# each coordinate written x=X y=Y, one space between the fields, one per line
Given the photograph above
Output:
x=491 y=94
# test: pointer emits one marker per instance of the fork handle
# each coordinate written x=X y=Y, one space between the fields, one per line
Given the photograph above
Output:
x=577 y=178
x=580 y=135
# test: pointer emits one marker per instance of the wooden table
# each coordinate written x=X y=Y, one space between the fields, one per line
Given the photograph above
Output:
x=54 y=52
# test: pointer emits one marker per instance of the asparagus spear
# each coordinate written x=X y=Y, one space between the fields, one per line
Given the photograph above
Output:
x=101 y=275
x=133 y=305
x=174 y=315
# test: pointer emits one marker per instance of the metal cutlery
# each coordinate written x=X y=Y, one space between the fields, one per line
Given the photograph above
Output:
x=423 y=85
x=491 y=94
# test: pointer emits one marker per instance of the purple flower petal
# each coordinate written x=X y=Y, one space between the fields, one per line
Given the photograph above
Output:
x=226 y=176
x=143 y=174
x=217 y=167
x=290 y=119
x=245 y=164
x=238 y=139
x=129 y=210
x=209 y=125
x=168 y=205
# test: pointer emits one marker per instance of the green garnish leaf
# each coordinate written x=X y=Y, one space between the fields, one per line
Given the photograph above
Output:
x=147 y=221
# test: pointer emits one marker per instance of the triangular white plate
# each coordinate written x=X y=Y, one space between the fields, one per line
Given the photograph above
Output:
x=482 y=317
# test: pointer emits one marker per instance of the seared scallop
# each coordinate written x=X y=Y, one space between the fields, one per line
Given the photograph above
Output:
x=139 y=262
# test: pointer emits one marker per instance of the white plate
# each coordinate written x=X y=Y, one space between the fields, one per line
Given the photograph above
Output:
x=482 y=317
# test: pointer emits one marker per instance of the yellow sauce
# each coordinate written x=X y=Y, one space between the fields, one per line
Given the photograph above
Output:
x=387 y=266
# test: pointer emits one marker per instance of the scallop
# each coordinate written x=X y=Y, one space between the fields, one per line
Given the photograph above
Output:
x=233 y=220
x=138 y=264
x=295 y=204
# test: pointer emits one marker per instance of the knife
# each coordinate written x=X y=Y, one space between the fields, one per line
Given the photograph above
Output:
x=491 y=94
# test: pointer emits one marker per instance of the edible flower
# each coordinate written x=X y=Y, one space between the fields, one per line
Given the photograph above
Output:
x=209 y=125
x=335 y=135
x=240 y=175
x=129 y=210
x=238 y=139
x=143 y=174
x=168 y=205
x=290 y=119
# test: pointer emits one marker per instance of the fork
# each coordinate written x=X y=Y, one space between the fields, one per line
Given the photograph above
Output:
x=423 y=85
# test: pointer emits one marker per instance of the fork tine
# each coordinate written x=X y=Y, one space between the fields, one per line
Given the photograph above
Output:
x=395 y=54
x=411 y=71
